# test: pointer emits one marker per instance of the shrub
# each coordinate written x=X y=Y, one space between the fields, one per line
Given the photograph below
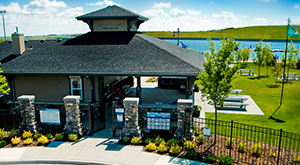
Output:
x=126 y=139
x=173 y=142
x=26 y=134
x=151 y=147
x=28 y=141
x=211 y=158
x=16 y=140
x=2 y=133
x=37 y=135
x=159 y=140
x=14 y=132
x=196 y=129
x=162 y=148
x=256 y=149
x=201 y=139
x=136 y=140
x=189 y=145
x=72 y=137
x=226 y=160
x=59 y=136
x=229 y=143
x=49 y=135
x=3 y=143
x=191 y=154
x=242 y=147
x=296 y=159
x=274 y=154
x=43 y=140
x=175 y=149
x=147 y=141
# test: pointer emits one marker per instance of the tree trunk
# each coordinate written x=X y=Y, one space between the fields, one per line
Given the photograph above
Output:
x=216 y=119
x=287 y=75
x=267 y=70
x=276 y=81
x=258 y=71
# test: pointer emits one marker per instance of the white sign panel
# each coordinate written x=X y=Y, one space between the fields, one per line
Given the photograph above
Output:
x=50 y=116
x=206 y=131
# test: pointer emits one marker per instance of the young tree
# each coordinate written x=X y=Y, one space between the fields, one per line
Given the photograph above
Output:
x=292 y=57
x=238 y=55
x=269 y=57
x=245 y=54
x=215 y=81
x=260 y=56
x=4 y=89
x=276 y=70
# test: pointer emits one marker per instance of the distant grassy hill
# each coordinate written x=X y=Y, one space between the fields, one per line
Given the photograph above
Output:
x=252 y=32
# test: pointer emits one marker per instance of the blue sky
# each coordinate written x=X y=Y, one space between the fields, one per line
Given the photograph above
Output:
x=43 y=17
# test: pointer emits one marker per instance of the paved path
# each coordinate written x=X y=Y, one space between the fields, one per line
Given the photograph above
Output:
x=89 y=150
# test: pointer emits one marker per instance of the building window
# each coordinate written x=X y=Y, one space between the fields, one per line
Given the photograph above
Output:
x=76 y=86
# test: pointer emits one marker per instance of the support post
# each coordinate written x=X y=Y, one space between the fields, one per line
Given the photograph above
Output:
x=131 y=127
x=27 y=110
x=138 y=87
x=279 y=146
x=73 y=123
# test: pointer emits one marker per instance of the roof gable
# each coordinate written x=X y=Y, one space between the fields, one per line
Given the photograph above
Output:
x=111 y=12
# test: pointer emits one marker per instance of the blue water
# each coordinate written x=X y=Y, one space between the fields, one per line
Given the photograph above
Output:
x=201 y=45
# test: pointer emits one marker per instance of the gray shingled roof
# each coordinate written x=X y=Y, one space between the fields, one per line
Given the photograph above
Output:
x=143 y=55
x=111 y=12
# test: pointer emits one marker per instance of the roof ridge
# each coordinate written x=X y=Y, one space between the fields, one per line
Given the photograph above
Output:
x=182 y=59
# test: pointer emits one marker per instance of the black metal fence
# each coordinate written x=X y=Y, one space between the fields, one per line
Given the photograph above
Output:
x=248 y=143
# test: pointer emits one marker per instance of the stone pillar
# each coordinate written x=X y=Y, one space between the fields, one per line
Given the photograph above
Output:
x=131 y=123
x=27 y=111
x=73 y=124
x=185 y=119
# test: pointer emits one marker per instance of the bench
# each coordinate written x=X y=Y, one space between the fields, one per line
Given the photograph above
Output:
x=236 y=91
x=246 y=72
x=241 y=105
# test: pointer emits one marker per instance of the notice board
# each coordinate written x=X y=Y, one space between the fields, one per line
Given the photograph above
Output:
x=158 y=121
x=50 y=116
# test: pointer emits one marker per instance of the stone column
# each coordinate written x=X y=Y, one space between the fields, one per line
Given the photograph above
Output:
x=131 y=123
x=73 y=124
x=185 y=119
x=27 y=110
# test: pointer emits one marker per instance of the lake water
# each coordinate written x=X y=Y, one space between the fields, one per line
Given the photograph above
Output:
x=201 y=45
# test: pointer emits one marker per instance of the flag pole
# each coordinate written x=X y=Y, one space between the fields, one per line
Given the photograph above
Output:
x=285 y=58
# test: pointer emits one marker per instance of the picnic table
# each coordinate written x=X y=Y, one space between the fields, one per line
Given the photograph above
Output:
x=236 y=91
x=290 y=76
x=246 y=72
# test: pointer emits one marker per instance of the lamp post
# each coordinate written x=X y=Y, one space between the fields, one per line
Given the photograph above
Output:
x=2 y=13
x=174 y=32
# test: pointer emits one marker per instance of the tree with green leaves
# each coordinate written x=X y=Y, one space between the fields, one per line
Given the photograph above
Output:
x=238 y=55
x=260 y=56
x=215 y=82
x=276 y=70
x=269 y=57
x=245 y=54
x=292 y=57
x=4 y=88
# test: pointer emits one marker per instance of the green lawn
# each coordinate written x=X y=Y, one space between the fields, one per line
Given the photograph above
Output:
x=267 y=98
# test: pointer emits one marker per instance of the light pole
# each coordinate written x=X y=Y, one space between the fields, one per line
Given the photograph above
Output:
x=177 y=35
x=2 y=13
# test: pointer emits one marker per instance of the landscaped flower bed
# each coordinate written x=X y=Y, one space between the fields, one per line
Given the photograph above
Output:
x=14 y=138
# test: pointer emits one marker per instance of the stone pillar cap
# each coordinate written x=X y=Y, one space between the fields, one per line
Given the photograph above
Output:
x=71 y=98
x=185 y=101
x=26 y=97
x=131 y=100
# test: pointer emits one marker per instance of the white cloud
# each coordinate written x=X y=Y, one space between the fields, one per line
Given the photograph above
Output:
x=162 y=5
x=193 y=12
x=103 y=3
x=42 y=17
x=260 y=21
x=297 y=6
x=177 y=12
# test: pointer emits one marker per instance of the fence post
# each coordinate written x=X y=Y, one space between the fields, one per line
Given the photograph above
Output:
x=231 y=138
x=279 y=146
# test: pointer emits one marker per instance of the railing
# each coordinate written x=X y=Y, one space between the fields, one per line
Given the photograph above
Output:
x=261 y=145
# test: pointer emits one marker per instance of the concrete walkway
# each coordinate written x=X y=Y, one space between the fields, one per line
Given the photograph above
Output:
x=96 y=149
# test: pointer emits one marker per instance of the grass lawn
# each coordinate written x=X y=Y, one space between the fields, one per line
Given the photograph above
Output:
x=267 y=98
